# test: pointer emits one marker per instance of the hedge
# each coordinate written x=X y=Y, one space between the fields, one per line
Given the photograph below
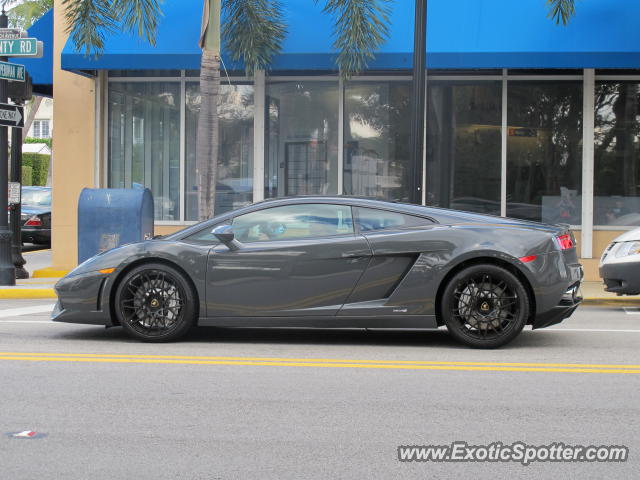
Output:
x=39 y=164
x=26 y=175
x=38 y=140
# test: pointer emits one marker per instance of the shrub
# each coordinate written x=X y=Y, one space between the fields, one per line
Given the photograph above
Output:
x=39 y=165
x=26 y=175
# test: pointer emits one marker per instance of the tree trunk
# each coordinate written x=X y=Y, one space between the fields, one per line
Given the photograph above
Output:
x=35 y=105
x=207 y=137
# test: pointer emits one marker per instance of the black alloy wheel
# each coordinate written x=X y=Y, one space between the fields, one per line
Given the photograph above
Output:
x=155 y=303
x=485 y=306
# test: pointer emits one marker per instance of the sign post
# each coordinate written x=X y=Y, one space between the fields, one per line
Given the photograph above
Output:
x=7 y=269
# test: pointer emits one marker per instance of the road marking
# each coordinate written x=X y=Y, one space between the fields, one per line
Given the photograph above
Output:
x=631 y=310
x=48 y=322
x=595 y=330
x=322 y=363
x=16 y=312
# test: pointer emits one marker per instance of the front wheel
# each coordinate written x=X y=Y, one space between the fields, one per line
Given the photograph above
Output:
x=485 y=306
x=155 y=303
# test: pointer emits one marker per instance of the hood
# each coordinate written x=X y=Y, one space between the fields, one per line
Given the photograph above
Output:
x=630 y=236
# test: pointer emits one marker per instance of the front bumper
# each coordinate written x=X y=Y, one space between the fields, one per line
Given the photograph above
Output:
x=61 y=314
x=82 y=299
x=622 y=278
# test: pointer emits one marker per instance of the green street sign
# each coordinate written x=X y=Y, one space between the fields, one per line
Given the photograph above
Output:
x=21 y=47
x=11 y=71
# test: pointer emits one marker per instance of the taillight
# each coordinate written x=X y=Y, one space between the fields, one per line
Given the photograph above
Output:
x=565 y=242
x=33 y=222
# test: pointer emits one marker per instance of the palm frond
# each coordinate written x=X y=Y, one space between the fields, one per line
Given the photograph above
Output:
x=88 y=21
x=140 y=16
x=361 y=27
x=26 y=13
x=561 y=10
x=253 y=31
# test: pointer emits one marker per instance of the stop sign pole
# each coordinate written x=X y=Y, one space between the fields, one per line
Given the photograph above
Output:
x=7 y=269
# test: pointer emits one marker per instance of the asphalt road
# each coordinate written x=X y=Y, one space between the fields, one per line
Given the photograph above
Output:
x=280 y=404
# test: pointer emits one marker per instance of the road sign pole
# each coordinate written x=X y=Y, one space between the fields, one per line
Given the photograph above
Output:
x=16 y=209
x=7 y=269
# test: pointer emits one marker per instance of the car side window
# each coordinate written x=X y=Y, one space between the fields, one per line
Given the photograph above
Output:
x=371 y=219
x=294 y=222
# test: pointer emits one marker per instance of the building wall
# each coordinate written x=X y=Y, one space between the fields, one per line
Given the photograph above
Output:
x=73 y=147
x=45 y=112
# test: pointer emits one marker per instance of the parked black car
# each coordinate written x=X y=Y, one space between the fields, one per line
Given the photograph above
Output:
x=36 y=215
x=334 y=262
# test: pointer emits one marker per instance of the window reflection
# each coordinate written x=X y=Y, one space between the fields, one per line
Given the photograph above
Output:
x=234 y=186
x=617 y=154
x=377 y=132
x=301 y=155
x=464 y=145
x=544 y=151
x=144 y=142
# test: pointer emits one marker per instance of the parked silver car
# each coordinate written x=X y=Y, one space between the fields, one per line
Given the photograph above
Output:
x=620 y=264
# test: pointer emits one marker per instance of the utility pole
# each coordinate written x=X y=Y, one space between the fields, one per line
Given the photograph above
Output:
x=418 y=101
x=16 y=210
x=7 y=269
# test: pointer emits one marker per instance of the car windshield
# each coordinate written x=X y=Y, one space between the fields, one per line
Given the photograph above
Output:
x=36 y=198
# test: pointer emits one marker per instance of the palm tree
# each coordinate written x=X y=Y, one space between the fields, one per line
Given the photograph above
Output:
x=253 y=33
x=561 y=10
x=22 y=16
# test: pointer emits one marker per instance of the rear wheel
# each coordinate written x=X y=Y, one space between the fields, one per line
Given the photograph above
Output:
x=485 y=306
x=155 y=303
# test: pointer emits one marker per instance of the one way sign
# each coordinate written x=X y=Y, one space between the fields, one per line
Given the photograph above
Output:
x=11 y=116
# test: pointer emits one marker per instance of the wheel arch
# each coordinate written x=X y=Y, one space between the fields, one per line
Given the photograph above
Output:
x=143 y=261
x=490 y=261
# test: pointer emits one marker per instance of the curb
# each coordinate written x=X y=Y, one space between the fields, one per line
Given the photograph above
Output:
x=27 y=293
x=49 y=272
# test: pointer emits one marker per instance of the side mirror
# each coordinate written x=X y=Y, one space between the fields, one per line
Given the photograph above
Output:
x=225 y=234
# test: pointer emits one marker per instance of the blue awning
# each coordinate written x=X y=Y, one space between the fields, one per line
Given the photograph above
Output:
x=41 y=69
x=462 y=34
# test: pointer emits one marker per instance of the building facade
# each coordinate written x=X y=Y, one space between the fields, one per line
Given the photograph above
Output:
x=524 y=118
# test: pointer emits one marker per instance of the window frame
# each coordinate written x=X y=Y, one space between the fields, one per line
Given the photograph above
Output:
x=356 y=219
x=350 y=207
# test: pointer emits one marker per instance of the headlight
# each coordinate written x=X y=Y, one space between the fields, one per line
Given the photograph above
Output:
x=627 y=248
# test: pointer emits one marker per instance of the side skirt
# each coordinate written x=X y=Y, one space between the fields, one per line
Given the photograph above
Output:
x=399 y=321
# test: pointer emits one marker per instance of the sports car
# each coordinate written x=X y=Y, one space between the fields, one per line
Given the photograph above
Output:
x=334 y=262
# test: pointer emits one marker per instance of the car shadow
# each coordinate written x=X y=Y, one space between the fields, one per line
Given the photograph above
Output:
x=313 y=336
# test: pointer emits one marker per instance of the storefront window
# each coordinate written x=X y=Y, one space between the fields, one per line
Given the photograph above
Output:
x=544 y=151
x=301 y=156
x=617 y=154
x=377 y=131
x=234 y=186
x=144 y=142
x=463 y=145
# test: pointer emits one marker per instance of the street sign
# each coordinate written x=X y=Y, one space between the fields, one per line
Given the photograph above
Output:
x=11 y=71
x=11 y=33
x=21 y=47
x=11 y=116
x=14 y=193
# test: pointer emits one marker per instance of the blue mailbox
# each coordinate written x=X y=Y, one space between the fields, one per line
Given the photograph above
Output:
x=110 y=217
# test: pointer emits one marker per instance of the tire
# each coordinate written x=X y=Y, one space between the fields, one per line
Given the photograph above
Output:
x=155 y=303
x=485 y=306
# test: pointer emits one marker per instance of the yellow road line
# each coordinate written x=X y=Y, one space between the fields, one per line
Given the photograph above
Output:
x=321 y=360
x=367 y=364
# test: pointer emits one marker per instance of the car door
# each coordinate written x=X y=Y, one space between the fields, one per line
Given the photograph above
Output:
x=295 y=260
x=397 y=241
